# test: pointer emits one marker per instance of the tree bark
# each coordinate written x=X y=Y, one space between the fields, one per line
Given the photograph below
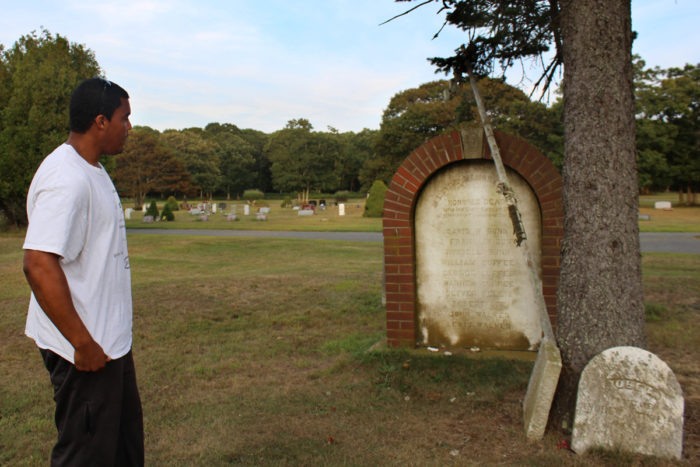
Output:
x=600 y=290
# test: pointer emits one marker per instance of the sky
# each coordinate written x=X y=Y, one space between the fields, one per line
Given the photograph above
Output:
x=259 y=64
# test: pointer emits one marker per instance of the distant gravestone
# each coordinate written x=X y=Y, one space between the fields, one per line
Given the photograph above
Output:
x=265 y=210
x=305 y=212
x=662 y=205
x=204 y=218
x=473 y=286
x=341 y=209
x=246 y=209
x=231 y=217
x=147 y=219
x=213 y=208
x=261 y=216
x=629 y=399
x=222 y=206
x=127 y=213
x=195 y=211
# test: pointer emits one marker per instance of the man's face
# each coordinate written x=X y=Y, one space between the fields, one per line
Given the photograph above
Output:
x=117 y=129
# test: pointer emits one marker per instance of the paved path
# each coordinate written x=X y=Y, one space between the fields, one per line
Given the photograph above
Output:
x=665 y=242
x=671 y=242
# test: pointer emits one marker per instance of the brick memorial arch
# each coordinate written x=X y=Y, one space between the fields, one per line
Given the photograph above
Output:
x=454 y=284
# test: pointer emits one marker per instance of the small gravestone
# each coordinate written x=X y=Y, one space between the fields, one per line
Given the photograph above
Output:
x=265 y=210
x=231 y=217
x=213 y=208
x=341 y=209
x=204 y=218
x=261 y=216
x=246 y=209
x=629 y=399
x=662 y=205
x=644 y=217
x=143 y=208
x=195 y=211
x=127 y=213
x=147 y=219
x=305 y=212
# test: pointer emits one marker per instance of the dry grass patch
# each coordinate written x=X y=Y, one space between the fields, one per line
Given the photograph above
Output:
x=253 y=352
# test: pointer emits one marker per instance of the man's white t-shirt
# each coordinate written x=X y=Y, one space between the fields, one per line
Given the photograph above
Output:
x=74 y=211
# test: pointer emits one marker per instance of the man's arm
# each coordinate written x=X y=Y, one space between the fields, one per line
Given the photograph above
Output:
x=50 y=287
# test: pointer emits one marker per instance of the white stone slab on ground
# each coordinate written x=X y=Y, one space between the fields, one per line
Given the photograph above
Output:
x=541 y=389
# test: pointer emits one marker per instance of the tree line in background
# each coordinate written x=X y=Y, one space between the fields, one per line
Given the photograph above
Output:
x=38 y=73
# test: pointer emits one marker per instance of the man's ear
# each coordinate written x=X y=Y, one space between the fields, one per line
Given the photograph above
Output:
x=101 y=122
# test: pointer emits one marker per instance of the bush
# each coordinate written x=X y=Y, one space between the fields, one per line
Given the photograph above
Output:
x=375 y=201
x=171 y=203
x=287 y=202
x=167 y=214
x=152 y=210
x=252 y=195
x=342 y=196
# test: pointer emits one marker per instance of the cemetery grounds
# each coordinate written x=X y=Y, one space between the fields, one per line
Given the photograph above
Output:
x=256 y=352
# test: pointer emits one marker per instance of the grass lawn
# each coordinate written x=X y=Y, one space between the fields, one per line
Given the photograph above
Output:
x=253 y=352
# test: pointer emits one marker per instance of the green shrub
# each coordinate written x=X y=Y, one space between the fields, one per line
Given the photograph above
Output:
x=253 y=195
x=342 y=196
x=167 y=213
x=375 y=201
x=172 y=204
x=152 y=210
x=287 y=202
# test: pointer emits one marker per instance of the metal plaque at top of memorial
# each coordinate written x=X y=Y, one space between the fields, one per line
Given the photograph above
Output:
x=472 y=282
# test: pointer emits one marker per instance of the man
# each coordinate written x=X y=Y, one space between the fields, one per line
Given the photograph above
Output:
x=76 y=262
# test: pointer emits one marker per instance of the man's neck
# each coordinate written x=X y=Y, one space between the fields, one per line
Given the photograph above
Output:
x=85 y=147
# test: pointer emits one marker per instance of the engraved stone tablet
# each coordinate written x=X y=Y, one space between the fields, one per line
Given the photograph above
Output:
x=629 y=399
x=472 y=281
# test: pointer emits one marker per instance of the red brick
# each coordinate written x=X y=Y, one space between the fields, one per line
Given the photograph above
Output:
x=400 y=316
x=392 y=223
x=408 y=176
x=392 y=259
x=400 y=334
x=399 y=297
x=408 y=325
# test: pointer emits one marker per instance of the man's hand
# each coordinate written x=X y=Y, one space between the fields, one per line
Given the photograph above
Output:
x=90 y=357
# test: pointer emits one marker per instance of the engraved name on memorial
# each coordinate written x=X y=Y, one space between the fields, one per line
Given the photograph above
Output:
x=472 y=282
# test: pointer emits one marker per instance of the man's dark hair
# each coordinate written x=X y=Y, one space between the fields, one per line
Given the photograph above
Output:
x=93 y=97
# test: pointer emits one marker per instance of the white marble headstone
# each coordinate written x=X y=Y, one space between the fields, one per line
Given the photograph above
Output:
x=473 y=285
x=629 y=399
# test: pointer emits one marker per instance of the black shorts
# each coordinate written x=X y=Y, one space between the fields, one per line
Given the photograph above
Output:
x=98 y=414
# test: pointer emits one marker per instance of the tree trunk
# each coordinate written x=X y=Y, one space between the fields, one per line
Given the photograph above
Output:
x=600 y=289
